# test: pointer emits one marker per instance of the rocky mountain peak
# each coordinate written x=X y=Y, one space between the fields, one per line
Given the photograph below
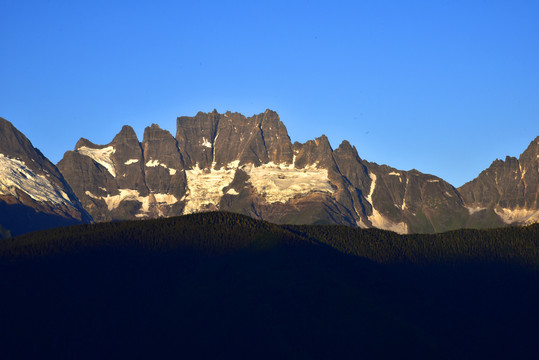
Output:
x=83 y=142
x=33 y=193
x=13 y=142
x=195 y=136
x=126 y=137
x=345 y=146
x=531 y=154
x=317 y=152
x=160 y=146
x=507 y=188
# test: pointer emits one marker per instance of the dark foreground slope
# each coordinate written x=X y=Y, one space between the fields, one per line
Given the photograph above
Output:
x=225 y=286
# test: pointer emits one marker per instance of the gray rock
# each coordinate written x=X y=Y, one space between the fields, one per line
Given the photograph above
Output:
x=509 y=188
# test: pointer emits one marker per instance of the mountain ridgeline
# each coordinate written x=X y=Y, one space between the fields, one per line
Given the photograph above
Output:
x=249 y=165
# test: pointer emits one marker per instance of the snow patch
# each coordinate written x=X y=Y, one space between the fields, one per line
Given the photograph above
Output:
x=433 y=181
x=404 y=196
x=523 y=216
x=64 y=195
x=166 y=199
x=100 y=156
x=131 y=161
x=394 y=173
x=276 y=182
x=113 y=201
x=282 y=182
x=206 y=186
x=373 y=185
x=473 y=210
x=206 y=143
x=156 y=163
x=153 y=163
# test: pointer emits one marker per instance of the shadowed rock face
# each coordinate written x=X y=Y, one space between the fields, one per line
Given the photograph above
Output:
x=196 y=136
x=508 y=188
x=215 y=140
x=249 y=165
x=33 y=193
x=163 y=162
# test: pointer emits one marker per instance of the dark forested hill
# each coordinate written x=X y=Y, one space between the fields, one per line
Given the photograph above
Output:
x=219 y=285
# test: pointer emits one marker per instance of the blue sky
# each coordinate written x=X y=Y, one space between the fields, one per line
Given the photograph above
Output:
x=445 y=87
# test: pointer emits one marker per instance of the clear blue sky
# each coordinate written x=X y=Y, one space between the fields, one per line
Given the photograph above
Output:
x=445 y=87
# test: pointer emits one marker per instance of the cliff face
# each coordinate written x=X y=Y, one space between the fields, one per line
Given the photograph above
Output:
x=126 y=179
x=508 y=188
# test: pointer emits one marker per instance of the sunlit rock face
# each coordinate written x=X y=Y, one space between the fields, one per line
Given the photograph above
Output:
x=508 y=188
x=249 y=165
x=33 y=193
x=401 y=201
x=126 y=179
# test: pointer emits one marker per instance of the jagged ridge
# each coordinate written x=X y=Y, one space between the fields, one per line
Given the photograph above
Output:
x=249 y=165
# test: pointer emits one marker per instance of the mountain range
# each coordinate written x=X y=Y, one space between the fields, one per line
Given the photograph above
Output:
x=249 y=165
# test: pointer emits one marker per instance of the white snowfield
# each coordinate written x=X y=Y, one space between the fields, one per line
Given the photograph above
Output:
x=206 y=143
x=155 y=163
x=113 y=201
x=100 y=156
x=378 y=220
x=232 y=192
x=14 y=174
x=205 y=186
x=282 y=182
x=152 y=163
x=276 y=182
x=131 y=161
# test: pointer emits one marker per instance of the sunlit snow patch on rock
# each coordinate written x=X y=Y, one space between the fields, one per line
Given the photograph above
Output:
x=155 y=163
x=100 y=156
x=206 y=143
x=206 y=186
x=113 y=201
x=473 y=210
x=282 y=182
x=14 y=174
